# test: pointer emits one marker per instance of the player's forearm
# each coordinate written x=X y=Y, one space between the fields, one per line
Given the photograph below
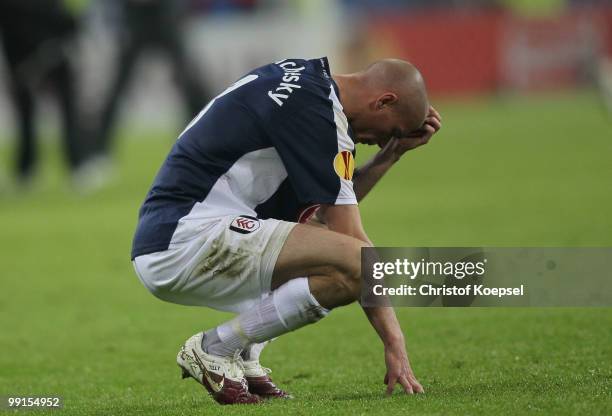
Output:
x=348 y=221
x=384 y=321
x=368 y=175
x=344 y=221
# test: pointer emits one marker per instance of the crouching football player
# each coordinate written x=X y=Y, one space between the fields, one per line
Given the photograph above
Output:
x=228 y=221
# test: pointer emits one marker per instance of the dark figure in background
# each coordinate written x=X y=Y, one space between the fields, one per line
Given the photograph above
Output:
x=36 y=36
x=148 y=24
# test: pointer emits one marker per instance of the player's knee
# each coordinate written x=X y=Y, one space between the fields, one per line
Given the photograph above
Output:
x=347 y=289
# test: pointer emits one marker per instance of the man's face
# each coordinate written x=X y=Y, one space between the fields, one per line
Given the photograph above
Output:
x=381 y=122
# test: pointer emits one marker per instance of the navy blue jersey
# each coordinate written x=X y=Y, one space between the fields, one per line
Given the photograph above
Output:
x=275 y=144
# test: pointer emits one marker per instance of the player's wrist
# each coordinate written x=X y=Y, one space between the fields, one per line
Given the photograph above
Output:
x=393 y=340
x=385 y=159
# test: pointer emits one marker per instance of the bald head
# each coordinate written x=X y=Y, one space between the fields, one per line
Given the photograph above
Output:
x=393 y=73
x=387 y=99
x=402 y=79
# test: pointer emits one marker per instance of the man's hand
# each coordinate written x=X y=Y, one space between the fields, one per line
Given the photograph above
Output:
x=399 y=371
x=397 y=146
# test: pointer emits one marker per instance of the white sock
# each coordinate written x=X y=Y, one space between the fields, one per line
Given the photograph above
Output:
x=290 y=307
x=252 y=351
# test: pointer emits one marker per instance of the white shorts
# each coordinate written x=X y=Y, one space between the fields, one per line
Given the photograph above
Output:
x=227 y=266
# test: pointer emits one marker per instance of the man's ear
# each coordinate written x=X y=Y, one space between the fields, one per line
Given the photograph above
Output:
x=386 y=100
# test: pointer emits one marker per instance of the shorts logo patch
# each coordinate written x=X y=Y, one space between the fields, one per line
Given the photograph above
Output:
x=244 y=224
x=344 y=165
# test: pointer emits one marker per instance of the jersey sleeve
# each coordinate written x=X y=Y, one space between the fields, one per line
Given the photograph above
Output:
x=318 y=154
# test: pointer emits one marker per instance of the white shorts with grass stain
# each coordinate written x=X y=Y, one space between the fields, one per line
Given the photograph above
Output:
x=227 y=266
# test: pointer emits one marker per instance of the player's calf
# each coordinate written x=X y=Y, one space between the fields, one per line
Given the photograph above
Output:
x=340 y=284
x=336 y=288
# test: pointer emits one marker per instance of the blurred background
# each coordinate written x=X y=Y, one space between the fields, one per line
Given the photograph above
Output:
x=94 y=93
x=79 y=70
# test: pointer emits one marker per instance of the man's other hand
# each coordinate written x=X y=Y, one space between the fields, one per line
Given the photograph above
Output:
x=397 y=146
x=399 y=371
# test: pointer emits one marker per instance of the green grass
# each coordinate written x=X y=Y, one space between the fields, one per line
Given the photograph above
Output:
x=76 y=322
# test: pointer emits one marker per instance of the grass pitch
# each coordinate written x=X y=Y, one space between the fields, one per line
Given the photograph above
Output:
x=520 y=172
